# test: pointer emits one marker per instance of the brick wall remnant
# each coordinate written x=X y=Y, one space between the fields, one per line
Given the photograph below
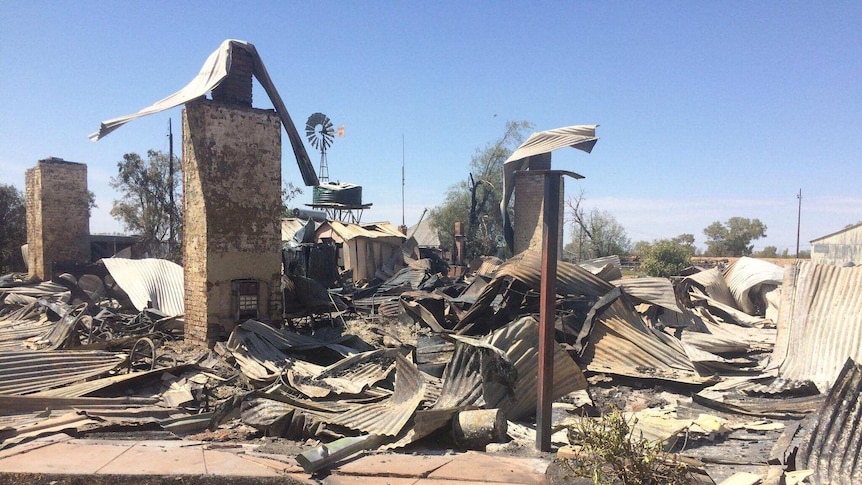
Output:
x=232 y=208
x=58 y=215
x=529 y=200
x=236 y=88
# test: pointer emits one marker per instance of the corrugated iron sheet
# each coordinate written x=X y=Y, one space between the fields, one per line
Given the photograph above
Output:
x=46 y=426
x=571 y=278
x=520 y=341
x=28 y=372
x=748 y=274
x=820 y=322
x=489 y=266
x=608 y=268
x=658 y=291
x=835 y=444
x=388 y=417
x=371 y=231
x=158 y=281
x=290 y=226
x=36 y=403
x=14 y=331
x=712 y=283
x=351 y=375
x=46 y=289
x=87 y=387
x=614 y=339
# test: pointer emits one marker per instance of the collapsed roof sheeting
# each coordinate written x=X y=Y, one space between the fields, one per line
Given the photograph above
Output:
x=24 y=323
x=88 y=387
x=28 y=372
x=153 y=283
x=746 y=275
x=388 y=417
x=498 y=371
x=346 y=232
x=712 y=283
x=608 y=268
x=658 y=291
x=820 y=322
x=571 y=278
x=614 y=339
x=520 y=341
x=582 y=137
x=835 y=444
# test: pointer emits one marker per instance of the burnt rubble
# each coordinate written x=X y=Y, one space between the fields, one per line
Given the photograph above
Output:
x=392 y=363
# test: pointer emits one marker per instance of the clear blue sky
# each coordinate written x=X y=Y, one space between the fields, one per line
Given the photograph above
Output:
x=707 y=110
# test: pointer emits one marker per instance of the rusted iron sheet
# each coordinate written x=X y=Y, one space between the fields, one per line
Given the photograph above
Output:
x=736 y=395
x=489 y=266
x=388 y=417
x=614 y=339
x=608 y=268
x=88 y=387
x=820 y=323
x=835 y=444
x=70 y=421
x=657 y=291
x=427 y=308
x=720 y=312
x=519 y=341
x=16 y=329
x=713 y=284
x=351 y=375
x=747 y=278
x=34 y=403
x=571 y=278
x=346 y=231
x=27 y=372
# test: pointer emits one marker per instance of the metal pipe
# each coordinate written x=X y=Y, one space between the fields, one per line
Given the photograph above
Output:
x=550 y=245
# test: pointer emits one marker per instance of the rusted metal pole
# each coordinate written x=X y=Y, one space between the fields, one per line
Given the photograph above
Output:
x=550 y=245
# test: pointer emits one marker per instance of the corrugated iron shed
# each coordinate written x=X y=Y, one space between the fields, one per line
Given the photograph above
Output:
x=820 y=322
x=839 y=248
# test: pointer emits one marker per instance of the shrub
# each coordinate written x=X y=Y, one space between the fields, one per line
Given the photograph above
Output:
x=665 y=258
x=611 y=454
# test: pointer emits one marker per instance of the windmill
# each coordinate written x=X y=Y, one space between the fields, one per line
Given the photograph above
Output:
x=319 y=131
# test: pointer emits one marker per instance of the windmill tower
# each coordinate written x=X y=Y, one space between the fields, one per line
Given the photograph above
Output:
x=318 y=130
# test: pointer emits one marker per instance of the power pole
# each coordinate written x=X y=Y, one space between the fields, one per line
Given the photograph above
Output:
x=170 y=188
x=798 y=222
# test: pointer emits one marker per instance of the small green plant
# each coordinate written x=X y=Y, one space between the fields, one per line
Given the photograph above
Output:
x=609 y=453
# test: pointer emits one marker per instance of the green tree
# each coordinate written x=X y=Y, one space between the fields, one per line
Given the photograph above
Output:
x=666 y=257
x=475 y=202
x=13 y=229
x=768 y=252
x=733 y=238
x=595 y=233
x=288 y=193
x=145 y=206
x=687 y=242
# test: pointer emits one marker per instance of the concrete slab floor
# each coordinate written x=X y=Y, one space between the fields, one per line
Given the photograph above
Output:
x=71 y=461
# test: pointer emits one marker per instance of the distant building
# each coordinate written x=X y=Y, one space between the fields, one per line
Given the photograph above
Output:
x=839 y=248
x=425 y=234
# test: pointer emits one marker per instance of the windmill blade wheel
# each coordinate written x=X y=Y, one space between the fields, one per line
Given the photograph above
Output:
x=319 y=138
